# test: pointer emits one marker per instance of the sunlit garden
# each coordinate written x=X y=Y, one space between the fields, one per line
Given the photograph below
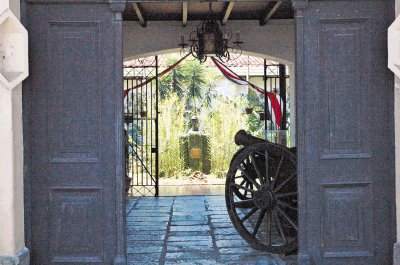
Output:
x=187 y=92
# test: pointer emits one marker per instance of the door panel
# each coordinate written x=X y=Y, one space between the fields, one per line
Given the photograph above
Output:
x=346 y=151
x=71 y=132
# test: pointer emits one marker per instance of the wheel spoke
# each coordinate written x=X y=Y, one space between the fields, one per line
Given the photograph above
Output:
x=286 y=217
x=249 y=177
x=259 y=221
x=247 y=216
x=244 y=204
x=286 y=205
x=253 y=159
x=247 y=186
x=285 y=182
x=267 y=179
x=241 y=187
x=286 y=194
x=280 y=229
x=277 y=172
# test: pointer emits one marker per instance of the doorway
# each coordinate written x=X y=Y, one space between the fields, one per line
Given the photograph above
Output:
x=345 y=154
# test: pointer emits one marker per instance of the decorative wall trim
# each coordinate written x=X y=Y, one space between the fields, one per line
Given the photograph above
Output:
x=21 y=258
x=118 y=7
x=394 y=47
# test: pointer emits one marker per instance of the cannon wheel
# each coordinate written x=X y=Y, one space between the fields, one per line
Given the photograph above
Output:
x=262 y=204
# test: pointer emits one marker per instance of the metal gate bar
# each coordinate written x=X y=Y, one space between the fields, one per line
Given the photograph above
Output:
x=141 y=125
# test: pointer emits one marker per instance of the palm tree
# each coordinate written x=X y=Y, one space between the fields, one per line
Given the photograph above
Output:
x=195 y=81
x=173 y=81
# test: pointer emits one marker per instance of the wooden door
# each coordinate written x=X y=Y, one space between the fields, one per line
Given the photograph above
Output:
x=73 y=132
x=346 y=132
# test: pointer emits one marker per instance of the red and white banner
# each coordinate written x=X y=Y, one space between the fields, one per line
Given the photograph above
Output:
x=274 y=100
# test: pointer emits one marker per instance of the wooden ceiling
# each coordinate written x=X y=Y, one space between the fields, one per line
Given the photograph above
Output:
x=263 y=11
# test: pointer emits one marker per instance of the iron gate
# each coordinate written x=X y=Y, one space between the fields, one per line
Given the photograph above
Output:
x=141 y=126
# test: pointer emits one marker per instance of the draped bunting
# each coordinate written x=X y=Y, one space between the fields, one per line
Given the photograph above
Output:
x=159 y=75
x=273 y=99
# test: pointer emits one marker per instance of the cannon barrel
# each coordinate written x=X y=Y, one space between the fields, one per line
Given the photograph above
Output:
x=246 y=139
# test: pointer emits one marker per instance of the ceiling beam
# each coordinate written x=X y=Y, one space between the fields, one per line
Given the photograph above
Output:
x=267 y=15
x=184 y=13
x=139 y=14
x=228 y=10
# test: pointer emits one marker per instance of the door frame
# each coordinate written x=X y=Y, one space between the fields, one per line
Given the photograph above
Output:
x=117 y=8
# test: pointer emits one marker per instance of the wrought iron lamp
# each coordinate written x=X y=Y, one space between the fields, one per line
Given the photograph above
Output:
x=208 y=39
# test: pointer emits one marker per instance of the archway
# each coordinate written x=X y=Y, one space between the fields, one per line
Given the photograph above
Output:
x=346 y=164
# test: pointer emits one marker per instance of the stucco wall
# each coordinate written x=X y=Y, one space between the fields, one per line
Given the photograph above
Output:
x=274 y=41
x=11 y=165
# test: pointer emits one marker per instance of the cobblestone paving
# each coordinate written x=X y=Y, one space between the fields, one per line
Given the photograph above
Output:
x=187 y=230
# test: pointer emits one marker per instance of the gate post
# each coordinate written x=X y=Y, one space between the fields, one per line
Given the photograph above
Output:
x=117 y=8
x=299 y=6
x=13 y=69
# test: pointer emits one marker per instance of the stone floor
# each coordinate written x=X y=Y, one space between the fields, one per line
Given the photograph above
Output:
x=187 y=230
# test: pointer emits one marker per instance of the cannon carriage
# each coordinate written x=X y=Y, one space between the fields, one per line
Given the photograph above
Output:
x=261 y=194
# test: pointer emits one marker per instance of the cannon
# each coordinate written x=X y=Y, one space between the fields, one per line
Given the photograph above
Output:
x=261 y=194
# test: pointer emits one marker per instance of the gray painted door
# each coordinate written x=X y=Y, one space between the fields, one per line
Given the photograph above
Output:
x=346 y=138
x=72 y=101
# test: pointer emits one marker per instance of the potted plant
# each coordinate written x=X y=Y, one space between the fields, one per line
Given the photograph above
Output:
x=248 y=110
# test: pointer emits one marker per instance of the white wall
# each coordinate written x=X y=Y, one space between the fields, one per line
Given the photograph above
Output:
x=273 y=41
x=11 y=164
x=397 y=138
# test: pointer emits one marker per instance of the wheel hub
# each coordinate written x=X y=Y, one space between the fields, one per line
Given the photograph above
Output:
x=264 y=198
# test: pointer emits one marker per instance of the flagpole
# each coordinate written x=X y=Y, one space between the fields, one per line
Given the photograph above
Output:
x=266 y=109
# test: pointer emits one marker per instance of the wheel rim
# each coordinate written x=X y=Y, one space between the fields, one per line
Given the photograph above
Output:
x=262 y=204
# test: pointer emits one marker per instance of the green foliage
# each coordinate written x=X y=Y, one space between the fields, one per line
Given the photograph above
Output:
x=192 y=84
x=172 y=125
x=173 y=82
x=221 y=122
x=206 y=154
x=256 y=126
x=191 y=81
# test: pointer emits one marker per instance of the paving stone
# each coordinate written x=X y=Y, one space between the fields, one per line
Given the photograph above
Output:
x=248 y=259
x=193 y=262
x=142 y=213
x=144 y=231
x=190 y=238
x=239 y=250
x=197 y=222
x=144 y=258
x=189 y=233
x=225 y=231
x=220 y=219
x=146 y=243
x=132 y=238
x=194 y=228
x=228 y=237
x=184 y=211
x=223 y=225
x=187 y=256
x=190 y=246
x=147 y=219
x=141 y=223
x=188 y=218
x=144 y=249
x=231 y=243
